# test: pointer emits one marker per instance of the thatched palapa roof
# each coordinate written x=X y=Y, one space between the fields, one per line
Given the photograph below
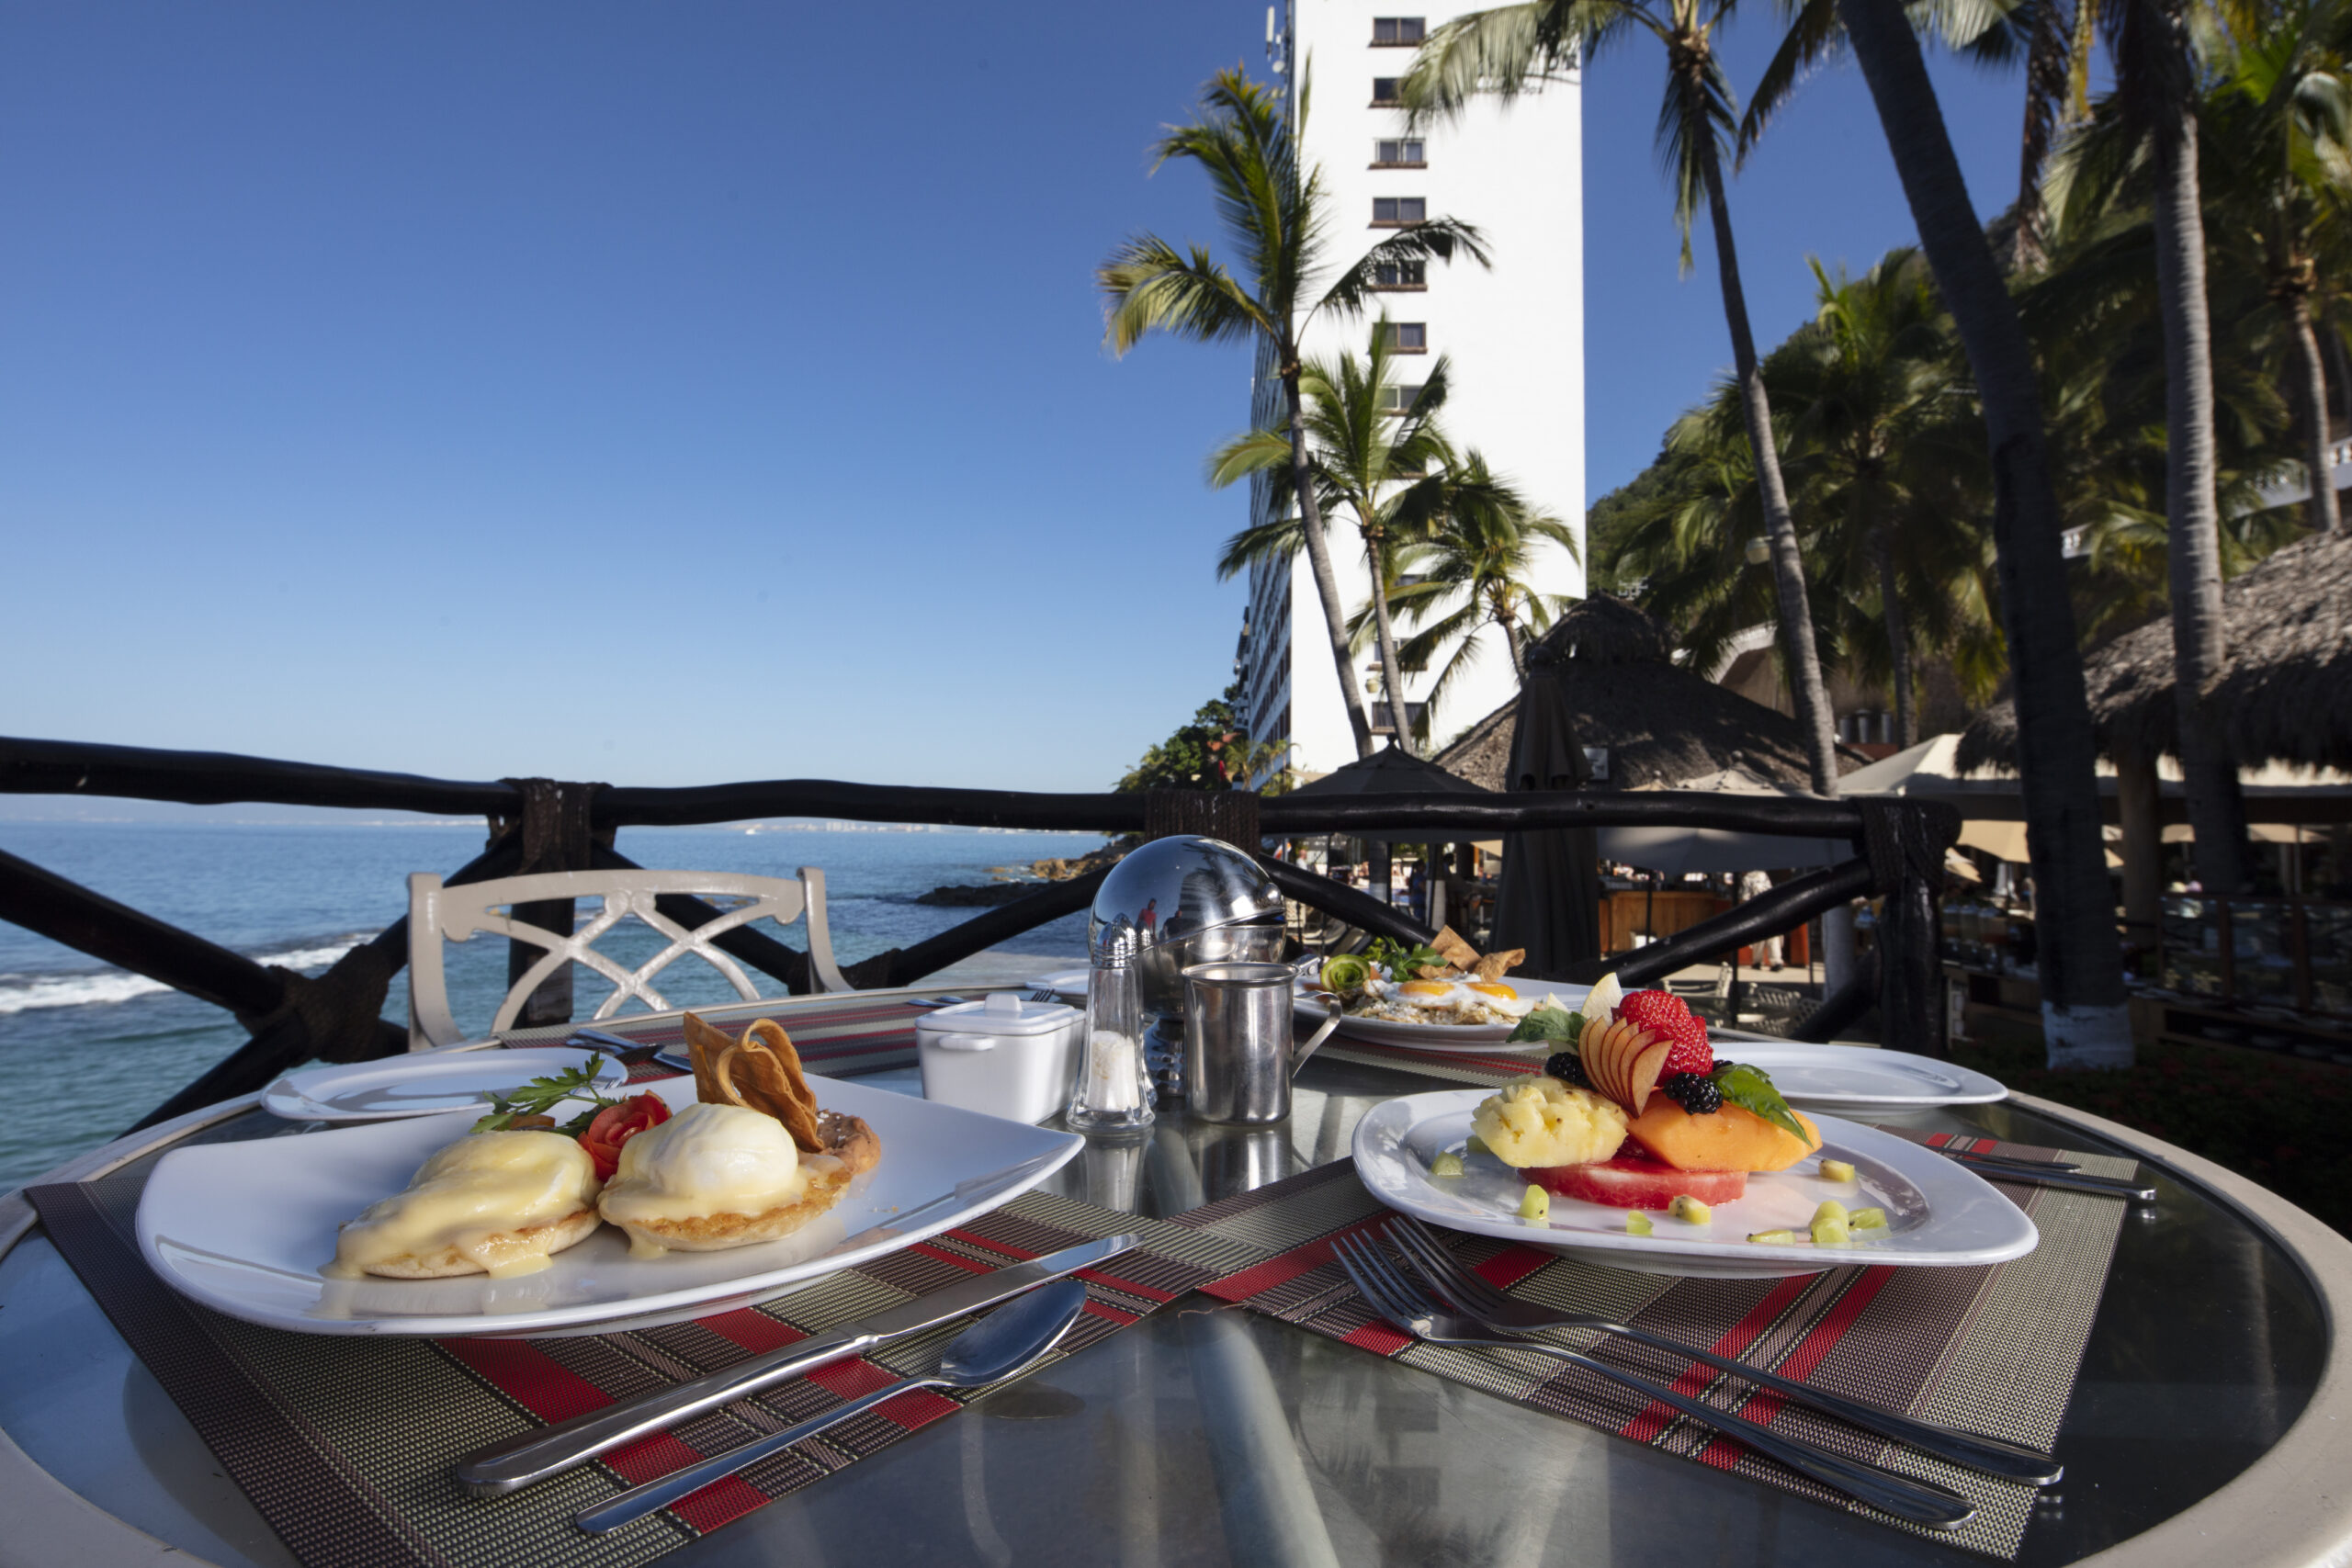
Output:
x=1662 y=723
x=2285 y=693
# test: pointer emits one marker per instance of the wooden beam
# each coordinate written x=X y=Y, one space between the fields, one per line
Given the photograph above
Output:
x=217 y=778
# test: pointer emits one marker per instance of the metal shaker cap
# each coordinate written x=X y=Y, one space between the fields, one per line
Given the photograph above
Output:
x=1171 y=890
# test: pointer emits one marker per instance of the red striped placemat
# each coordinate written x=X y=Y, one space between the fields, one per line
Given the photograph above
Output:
x=1991 y=1350
x=345 y=1444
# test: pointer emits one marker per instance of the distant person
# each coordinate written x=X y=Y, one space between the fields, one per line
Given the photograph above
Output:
x=1754 y=884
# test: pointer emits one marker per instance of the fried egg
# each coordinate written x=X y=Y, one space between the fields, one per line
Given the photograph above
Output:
x=1445 y=1001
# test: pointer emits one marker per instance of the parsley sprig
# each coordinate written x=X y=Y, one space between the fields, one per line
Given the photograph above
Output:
x=542 y=1095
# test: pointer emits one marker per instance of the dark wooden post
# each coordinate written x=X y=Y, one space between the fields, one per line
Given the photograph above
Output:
x=555 y=834
x=1905 y=843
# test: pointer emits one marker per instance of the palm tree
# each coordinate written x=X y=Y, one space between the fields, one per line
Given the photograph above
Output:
x=2281 y=116
x=1880 y=435
x=1374 y=454
x=1475 y=570
x=1505 y=49
x=2084 y=1022
x=1273 y=211
x=2154 y=108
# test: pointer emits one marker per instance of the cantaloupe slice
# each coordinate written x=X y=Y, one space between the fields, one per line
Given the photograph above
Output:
x=1729 y=1139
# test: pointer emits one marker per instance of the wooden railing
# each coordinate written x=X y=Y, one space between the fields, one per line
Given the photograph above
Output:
x=543 y=825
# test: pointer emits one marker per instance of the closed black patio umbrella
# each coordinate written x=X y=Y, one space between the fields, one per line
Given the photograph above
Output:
x=1390 y=771
x=1549 y=900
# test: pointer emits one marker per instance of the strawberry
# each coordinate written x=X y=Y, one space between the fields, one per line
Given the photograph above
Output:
x=1663 y=1013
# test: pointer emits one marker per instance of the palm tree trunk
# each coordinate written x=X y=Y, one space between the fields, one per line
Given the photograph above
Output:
x=2311 y=395
x=2209 y=773
x=1788 y=565
x=1898 y=644
x=2045 y=91
x=1318 y=558
x=1392 y=674
x=2083 y=1019
x=1513 y=641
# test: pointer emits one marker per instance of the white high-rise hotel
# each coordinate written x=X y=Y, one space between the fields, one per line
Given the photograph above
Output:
x=1515 y=336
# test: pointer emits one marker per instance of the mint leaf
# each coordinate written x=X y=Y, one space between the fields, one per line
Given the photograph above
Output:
x=542 y=1095
x=1548 y=1023
x=1750 y=1090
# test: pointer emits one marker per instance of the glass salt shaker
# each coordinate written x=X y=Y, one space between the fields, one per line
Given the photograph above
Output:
x=1111 y=1092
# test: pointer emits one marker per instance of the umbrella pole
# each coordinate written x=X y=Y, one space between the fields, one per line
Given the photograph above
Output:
x=1732 y=1006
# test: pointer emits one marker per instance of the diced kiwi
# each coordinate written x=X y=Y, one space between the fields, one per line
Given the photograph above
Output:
x=1866 y=1220
x=1831 y=1233
x=1448 y=1164
x=1536 y=1205
x=1686 y=1207
x=1474 y=1145
x=1638 y=1224
x=1773 y=1238
x=1830 y=1209
x=1836 y=1170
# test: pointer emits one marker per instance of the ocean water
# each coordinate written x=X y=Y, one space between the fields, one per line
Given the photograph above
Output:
x=88 y=1049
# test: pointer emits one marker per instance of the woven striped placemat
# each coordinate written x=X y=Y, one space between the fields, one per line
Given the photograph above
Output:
x=345 y=1444
x=1993 y=1349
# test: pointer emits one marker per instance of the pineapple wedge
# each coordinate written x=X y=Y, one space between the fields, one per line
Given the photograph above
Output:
x=1543 y=1122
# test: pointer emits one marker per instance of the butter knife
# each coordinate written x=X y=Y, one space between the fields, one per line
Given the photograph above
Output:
x=1993 y=1169
x=518 y=1461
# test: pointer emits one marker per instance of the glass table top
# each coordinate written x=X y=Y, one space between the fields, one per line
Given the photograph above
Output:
x=1208 y=1435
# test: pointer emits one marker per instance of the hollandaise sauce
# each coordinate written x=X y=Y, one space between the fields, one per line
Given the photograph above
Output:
x=474 y=1196
x=705 y=1161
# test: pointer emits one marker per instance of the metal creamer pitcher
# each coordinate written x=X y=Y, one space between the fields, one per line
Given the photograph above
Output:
x=1238 y=1052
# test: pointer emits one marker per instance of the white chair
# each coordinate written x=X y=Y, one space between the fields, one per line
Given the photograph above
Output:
x=437 y=913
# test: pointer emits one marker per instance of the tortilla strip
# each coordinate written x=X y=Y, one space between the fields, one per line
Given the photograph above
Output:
x=1455 y=951
x=1495 y=965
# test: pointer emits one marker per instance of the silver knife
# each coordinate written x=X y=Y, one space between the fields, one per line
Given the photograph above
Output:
x=518 y=1461
x=2038 y=1175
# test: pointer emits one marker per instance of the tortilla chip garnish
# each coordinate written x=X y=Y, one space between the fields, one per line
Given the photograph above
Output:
x=1495 y=965
x=1455 y=951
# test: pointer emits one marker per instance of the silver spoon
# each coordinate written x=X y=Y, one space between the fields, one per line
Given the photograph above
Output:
x=1002 y=1345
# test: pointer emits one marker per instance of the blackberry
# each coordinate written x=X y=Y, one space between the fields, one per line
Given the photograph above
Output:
x=1569 y=1067
x=1695 y=1092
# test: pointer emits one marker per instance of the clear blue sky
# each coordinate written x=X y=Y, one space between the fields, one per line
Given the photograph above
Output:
x=674 y=393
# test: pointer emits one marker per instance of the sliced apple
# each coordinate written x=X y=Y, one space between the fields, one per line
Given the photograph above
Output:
x=1616 y=1057
x=1648 y=1066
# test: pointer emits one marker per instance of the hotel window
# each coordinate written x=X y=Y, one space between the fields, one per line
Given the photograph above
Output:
x=1389 y=32
x=1408 y=337
x=1395 y=212
x=1403 y=155
x=1400 y=274
x=1397 y=399
x=1384 y=91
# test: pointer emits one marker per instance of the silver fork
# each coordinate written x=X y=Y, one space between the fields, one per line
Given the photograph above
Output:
x=1473 y=1298
x=1390 y=1295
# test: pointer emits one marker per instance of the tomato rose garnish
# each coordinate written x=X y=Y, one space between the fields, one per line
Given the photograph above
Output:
x=615 y=1125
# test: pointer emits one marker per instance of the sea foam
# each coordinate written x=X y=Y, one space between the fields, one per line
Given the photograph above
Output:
x=106 y=988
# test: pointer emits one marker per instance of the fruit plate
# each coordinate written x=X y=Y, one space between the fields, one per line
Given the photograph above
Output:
x=1939 y=1214
x=243 y=1227
x=1487 y=1037
x=1863 y=1078
x=426 y=1084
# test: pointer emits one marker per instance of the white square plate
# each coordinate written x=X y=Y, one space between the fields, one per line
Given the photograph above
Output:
x=243 y=1227
x=1938 y=1214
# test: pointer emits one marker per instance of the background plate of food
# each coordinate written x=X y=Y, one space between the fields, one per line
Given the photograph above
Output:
x=1937 y=1215
x=248 y=1228
x=1444 y=998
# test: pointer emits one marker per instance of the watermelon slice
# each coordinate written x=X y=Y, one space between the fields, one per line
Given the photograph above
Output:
x=1632 y=1182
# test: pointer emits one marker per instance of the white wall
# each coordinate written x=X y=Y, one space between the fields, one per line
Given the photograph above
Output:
x=1515 y=334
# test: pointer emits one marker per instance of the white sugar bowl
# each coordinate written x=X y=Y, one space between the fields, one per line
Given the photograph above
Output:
x=1003 y=1056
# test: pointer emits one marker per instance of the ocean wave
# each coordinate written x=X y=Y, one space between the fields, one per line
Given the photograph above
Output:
x=107 y=987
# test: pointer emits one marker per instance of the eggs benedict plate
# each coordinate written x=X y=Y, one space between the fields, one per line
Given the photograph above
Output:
x=407 y=1227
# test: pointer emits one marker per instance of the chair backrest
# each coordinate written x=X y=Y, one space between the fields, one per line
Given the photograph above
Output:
x=439 y=913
